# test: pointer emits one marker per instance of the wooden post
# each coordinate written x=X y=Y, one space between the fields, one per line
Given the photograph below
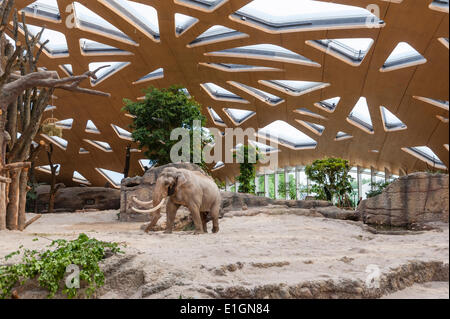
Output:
x=22 y=219
x=12 y=211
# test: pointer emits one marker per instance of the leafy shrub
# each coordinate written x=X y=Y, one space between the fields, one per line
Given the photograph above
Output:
x=49 y=267
x=377 y=189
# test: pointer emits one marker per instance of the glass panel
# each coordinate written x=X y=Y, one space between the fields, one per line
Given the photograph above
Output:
x=287 y=134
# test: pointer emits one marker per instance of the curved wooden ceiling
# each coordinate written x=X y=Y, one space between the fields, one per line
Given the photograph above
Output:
x=411 y=93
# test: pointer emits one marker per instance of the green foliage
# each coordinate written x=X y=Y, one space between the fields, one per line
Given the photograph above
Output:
x=161 y=112
x=247 y=169
x=331 y=176
x=49 y=267
x=291 y=188
x=377 y=189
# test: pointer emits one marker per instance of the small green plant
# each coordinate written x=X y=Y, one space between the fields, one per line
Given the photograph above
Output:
x=49 y=267
x=377 y=189
x=247 y=168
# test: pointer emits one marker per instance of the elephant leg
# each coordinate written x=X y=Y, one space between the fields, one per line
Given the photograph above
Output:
x=215 y=211
x=153 y=222
x=171 y=211
x=204 y=216
x=195 y=212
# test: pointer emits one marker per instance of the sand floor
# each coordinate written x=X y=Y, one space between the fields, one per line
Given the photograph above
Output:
x=266 y=249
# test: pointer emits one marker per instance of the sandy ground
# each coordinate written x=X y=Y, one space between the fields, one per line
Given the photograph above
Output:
x=429 y=290
x=266 y=249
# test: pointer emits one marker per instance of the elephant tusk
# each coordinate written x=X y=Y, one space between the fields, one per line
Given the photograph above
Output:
x=141 y=203
x=148 y=211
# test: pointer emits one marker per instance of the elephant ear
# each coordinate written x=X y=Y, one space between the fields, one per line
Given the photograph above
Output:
x=181 y=179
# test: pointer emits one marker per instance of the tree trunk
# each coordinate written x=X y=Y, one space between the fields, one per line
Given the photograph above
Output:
x=23 y=187
x=12 y=212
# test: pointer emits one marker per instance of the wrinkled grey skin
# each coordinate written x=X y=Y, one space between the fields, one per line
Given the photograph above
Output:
x=194 y=190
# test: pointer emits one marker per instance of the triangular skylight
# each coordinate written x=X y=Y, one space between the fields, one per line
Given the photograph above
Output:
x=444 y=42
x=360 y=116
x=439 y=103
x=340 y=136
x=390 y=121
x=305 y=111
x=113 y=177
x=50 y=108
x=425 y=154
x=88 y=19
x=259 y=94
x=58 y=141
x=83 y=151
x=142 y=16
x=291 y=15
x=154 y=75
x=65 y=124
x=218 y=166
x=47 y=169
x=204 y=5
x=77 y=177
x=328 y=105
x=264 y=148
x=215 y=117
x=183 y=23
x=231 y=67
x=266 y=52
x=295 y=88
x=57 y=44
x=113 y=67
x=239 y=116
x=403 y=56
x=103 y=146
x=215 y=34
x=285 y=134
x=146 y=164
x=313 y=127
x=92 y=128
x=93 y=47
x=122 y=133
x=67 y=68
x=439 y=5
x=219 y=93
x=352 y=50
x=44 y=8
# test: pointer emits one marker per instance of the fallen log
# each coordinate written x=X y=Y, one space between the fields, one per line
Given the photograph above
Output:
x=31 y=221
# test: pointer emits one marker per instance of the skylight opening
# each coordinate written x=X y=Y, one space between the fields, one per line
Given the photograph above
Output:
x=89 y=47
x=50 y=108
x=351 y=51
x=103 y=146
x=154 y=75
x=58 y=141
x=215 y=117
x=403 y=56
x=305 y=111
x=83 y=151
x=439 y=103
x=264 y=148
x=47 y=169
x=315 y=128
x=57 y=45
x=266 y=52
x=263 y=96
x=439 y=5
x=143 y=17
x=360 y=116
x=78 y=178
x=67 y=68
x=218 y=166
x=285 y=134
x=328 y=105
x=204 y=5
x=65 y=124
x=215 y=34
x=88 y=19
x=146 y=164
x=239 y=116
x=341 y=136
x=121 y=133
x=304 y=15
x=230 y=67
x=219 y=93
x=183 y=23
x=295 y=88
x=47 y=9
x=92 y=128
x=390 y=121
x=105 y=73
x=113 y=177
x=425 y=154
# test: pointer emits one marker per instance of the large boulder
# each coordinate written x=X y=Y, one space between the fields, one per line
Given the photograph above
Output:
x=142 y=188
x=74 y=199
x=413 y=199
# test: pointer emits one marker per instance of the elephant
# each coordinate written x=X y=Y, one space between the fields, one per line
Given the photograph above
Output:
x=181 y=187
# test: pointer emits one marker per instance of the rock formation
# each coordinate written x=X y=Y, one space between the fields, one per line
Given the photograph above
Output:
x=74 y=199
x=413 y=199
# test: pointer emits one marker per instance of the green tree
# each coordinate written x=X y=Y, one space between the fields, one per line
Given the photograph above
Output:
x=247 y=168
x=162 y=111
x=332 y=178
